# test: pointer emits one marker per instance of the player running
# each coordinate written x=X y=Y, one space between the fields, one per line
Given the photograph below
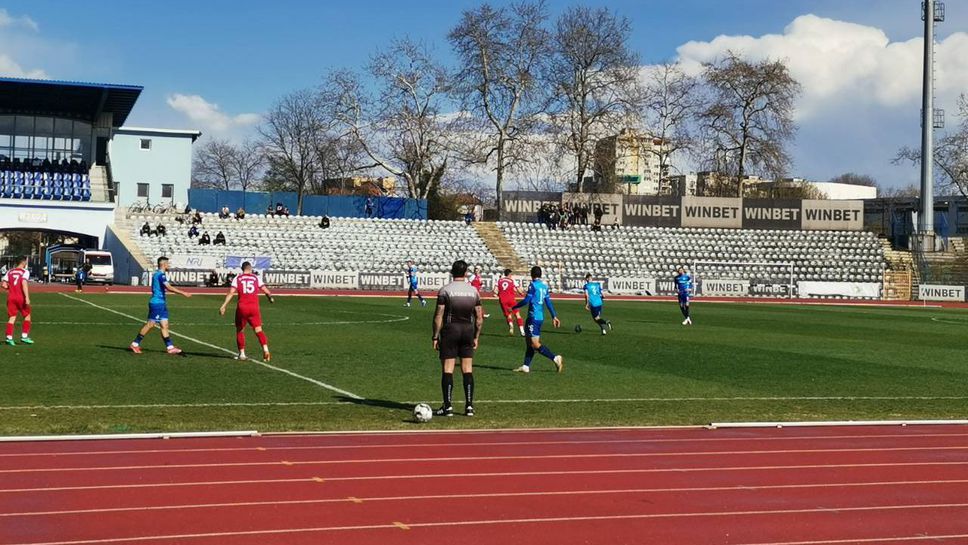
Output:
x=412 y=282
x=158 y=309
x=475 y=280
x=539 y=296
x=248 y=286
x=18 y=301
x=594 y=302
x=506 y=295
x=684 y=287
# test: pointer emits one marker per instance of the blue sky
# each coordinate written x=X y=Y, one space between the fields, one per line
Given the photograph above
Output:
x=241 y=55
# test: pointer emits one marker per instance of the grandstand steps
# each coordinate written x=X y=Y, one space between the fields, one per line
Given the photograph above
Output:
x=901 y=278
x=122 y=229
x=945 y=268
x=99 y=183
x=500 y=247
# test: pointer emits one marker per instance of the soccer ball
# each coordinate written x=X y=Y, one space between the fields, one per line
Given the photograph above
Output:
x=578 y=328
x=423 y=413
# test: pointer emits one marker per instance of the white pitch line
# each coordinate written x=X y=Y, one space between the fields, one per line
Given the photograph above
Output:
x=475 y=444
x=891 y=539
x=482 y=401
x=361 y=499
x=502 y=522
x=479 y=458
x=466 y=475
x=227 y=351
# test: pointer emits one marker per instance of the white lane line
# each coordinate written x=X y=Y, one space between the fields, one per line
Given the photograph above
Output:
x=891 y=539
x=362 y=499
x=501 y=474
x=475 y=444
x=225 y=350
x=503 y=522
x=484 y=401
x=481 y=458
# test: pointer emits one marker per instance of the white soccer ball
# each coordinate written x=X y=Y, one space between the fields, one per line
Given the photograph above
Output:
x=423 y=413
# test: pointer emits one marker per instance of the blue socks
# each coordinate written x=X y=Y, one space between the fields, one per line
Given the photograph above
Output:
x=547 y=353
x=139 y=338
x=168 y=342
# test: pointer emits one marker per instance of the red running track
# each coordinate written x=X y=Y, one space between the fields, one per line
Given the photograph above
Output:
x=824 y=485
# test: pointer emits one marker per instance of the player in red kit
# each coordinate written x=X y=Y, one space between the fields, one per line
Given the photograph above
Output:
x=476 y=282
x=248 y=286
x=507 y=293
x=18 y=300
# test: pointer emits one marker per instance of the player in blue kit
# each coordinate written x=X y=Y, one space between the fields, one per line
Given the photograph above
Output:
x=684 y=288
x=158 y=309
x=412 y=284
x=594 y=302
x=538 y=297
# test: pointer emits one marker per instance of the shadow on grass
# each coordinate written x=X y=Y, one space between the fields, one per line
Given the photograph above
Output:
x=185 y=353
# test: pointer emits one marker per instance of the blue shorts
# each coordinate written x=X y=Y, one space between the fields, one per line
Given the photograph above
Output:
x=413 y=286
x=532 y=328
x=157 y=312
x=596 y=311
x=683 y=298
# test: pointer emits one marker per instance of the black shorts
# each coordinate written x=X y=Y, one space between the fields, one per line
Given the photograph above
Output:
x=456 y=341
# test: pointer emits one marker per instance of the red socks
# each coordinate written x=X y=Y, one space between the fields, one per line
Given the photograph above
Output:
x=26 y=328
x=240 y=339
x=262 y=338
x=9 y=330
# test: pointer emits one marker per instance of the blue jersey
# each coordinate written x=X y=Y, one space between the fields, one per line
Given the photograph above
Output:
x=594 y=292
x=683 y=283
x=412 y=276
x=158 y=289
x=539 y=296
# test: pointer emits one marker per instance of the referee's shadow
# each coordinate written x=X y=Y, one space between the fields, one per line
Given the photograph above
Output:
x=379 y=403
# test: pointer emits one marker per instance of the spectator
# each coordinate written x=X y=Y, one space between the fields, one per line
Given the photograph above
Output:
x=279 y=208
x=324 y=223
x=285 y=211
x=145 y=229
x=205 y=239
x=224 y=213
x=161 y=230
x=220 y=238
x=615 y=224
x=212 y=280
x=193 y=231
x=229 y=278
x=270 y=211
x=368 y=207
x=469 y=218
x=598 y=212
x=240 y=213
x=597 y=226
x=197 y=218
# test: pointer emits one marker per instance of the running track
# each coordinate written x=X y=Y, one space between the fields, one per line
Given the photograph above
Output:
x=679 y=486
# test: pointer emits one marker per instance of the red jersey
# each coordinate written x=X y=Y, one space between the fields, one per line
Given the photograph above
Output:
x=506 y=290
x=15 y=279
x=248 y=286
x=476 y=282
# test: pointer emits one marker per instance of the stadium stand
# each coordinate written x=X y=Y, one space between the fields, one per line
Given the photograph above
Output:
x=298 y=243
x=656 y=251
x=44 y=180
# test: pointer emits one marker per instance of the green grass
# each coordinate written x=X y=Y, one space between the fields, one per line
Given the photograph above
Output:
x=81 y=379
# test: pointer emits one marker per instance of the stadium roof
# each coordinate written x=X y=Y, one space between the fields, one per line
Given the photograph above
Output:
x=72 y=99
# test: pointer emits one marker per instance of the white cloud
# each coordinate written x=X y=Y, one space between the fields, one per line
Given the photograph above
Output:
x=9 y=68
x=861 y=91
x=7 y=20
x=208 y=114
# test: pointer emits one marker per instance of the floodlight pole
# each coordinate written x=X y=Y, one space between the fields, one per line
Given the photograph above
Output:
x=926 y=218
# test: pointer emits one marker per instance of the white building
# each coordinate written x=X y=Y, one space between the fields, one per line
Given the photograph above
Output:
x=630 y=160
x=152 y=166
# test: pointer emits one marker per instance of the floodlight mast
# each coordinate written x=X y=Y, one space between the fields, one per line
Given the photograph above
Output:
x=931 y=12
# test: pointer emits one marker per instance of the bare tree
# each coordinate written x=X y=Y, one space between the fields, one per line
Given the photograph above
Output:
x=852 y=178
x=750 y=116
x=213 y=165
x=248 y=164
x=402 y=126
x=594 y=80
x=289 y=135
x=671 y=103
x=501 y=52
x=950 y=155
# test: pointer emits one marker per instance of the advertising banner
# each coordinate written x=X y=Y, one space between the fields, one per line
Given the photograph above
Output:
x=188 y=277
x=629 y=284
x=259 y=263
x=382 y=281
x=430 y=282
x=772 y=214
x=571 y=283
x=646 y=211
x=201 y=262
x=871 y=290
x=720 y=212
x=711 y=287
x=523 y=206
x=832 y=215
x=665 y=287
x=934 y=292
x=609 y=203
x=334 y=280
x=771 y=290
x=287 y=279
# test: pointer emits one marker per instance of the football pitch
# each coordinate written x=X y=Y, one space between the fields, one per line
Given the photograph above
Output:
x=344 y=363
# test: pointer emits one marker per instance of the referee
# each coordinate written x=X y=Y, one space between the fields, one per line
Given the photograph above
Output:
x=457 y=328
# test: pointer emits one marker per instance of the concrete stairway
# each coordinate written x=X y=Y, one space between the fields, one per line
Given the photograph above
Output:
x=900 y=280
x=500 y=247
x=99 y=184
x=122 y=228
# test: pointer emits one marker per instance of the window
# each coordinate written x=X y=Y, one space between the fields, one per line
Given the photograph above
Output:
x=143 y=191
x=146 y=143
x=167 y=191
